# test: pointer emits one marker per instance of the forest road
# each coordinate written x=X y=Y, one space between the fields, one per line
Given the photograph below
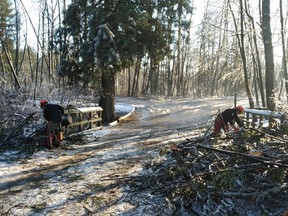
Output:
x=88 y=176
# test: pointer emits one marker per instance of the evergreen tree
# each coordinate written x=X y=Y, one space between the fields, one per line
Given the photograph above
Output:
x=89 y=26
x=5 y=16
x=107 y=60
x=6 y=43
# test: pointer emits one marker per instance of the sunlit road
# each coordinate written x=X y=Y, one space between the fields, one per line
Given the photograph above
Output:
x=177 y=113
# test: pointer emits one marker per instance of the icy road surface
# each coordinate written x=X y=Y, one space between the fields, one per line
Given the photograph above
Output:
x=85 y=176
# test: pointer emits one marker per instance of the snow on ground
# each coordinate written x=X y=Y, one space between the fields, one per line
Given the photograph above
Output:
x=84 y=176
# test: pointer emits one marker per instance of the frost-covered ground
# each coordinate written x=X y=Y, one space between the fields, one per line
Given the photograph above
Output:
x=86 y=176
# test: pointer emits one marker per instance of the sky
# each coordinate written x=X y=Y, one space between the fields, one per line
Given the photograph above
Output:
x=32 y=9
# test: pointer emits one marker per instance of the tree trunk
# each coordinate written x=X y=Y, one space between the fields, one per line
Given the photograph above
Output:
x=242 y=51
x=258 y=62
x=145 y=79
x=269 y=57
x=129 y=93
x=107 y=96
x=17 y=39
x=173 y=81
x=135 y=85
x=8 y=56
x=179 y=62
x=154 y=71
x=284 y=49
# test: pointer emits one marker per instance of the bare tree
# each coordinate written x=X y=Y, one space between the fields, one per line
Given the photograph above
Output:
x=241 y=44
x=269 y=57
x=9 y=59
x=257 y=61
x=283 y=48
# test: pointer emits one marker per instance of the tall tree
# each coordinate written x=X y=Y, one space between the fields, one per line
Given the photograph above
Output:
x=241 y=44
x=108 y=62
x=269 y=56
x=285 y=71
x=183 y=10
x=257 y=62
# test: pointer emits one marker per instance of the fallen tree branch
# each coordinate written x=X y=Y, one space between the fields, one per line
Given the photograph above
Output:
x=260 y=159
x=10 y=116
x=269 y=135
x=37 y=132
x=122 y=178
x=18 y=127
x=253 y=194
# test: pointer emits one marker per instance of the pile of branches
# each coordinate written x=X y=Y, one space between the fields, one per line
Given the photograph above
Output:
x=13 y=137
x=16 y=113
x=242 y=173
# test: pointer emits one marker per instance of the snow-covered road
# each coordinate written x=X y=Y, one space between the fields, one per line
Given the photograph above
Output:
x=85 y=177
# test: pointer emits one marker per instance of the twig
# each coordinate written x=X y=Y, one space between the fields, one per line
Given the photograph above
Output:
x=247 y=168
x=259 y=194
x=121 y=178
x=89 y=211
x=185 y=170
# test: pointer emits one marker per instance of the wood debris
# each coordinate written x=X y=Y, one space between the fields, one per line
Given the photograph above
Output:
x=243 y=173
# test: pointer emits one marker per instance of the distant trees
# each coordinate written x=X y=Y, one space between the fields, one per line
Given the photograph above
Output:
x=134 y=48
x=242 y=64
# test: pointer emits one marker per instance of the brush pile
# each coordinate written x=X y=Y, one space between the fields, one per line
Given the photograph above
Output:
x=242 y=173
x=16 y=114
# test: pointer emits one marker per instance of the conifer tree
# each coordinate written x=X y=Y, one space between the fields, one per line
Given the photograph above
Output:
x=91 y=52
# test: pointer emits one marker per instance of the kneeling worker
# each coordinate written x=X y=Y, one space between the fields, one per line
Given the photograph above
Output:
x=228 y=116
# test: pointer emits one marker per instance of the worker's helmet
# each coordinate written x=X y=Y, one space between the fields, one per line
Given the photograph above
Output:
x=240 y=109
x=43 y=102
